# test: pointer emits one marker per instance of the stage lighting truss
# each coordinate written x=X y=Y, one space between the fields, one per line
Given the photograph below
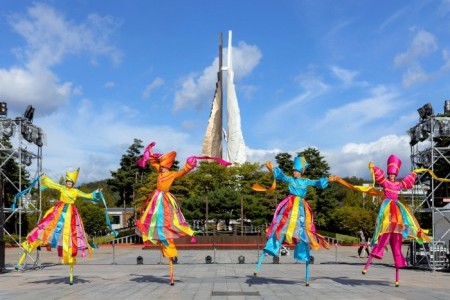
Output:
x=423 y=158
x=24 y=156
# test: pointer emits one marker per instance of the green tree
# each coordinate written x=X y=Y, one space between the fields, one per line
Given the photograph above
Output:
x=284 y=161
x=129 y=177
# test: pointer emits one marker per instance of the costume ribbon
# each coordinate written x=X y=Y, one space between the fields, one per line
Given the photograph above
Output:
x=423 y=170
x=25 y=191
x=108 y=222
x=257 y=187
x=216 y=159
x=369 y=190
x=148 y=153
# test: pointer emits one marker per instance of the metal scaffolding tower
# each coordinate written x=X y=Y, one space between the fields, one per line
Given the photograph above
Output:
x=21 y=142
x=430 y=141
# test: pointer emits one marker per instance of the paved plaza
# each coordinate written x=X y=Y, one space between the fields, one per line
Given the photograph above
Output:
x=114 y=273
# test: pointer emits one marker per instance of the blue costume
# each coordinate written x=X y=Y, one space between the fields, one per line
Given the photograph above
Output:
x=293 y=220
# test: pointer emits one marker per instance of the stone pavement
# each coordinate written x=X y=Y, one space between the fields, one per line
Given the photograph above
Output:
x=113 y=273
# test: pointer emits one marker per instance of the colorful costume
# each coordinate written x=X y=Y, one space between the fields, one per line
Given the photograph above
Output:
x=395 y=220
x=293 y=220
x=61 y=227
x=161 y=220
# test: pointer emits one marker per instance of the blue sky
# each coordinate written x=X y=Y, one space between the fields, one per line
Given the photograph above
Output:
x=346 y=77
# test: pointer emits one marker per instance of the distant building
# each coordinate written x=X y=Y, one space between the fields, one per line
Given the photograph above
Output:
x=121 y=217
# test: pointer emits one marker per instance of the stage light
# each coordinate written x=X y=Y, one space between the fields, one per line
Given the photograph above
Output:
x=27 y=132
x=8 y=128
x=29 y=113
x=443 y=127
x=3 y=109
x=423 y=131
x=412 y=135
x=425 y=111
x=26 y=159
x=39 y=141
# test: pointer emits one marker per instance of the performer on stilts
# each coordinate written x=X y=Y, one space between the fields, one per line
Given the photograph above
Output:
x=395 y=220
x=161 y=220
x=62 y=227
x=293 y=220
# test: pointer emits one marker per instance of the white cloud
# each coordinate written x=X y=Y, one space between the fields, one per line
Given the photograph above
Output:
x=346 y=76
x=109 y=85
x=353 y=158
x=49 y=38
x=422 y=46
x=358 y=113
x=152 y=86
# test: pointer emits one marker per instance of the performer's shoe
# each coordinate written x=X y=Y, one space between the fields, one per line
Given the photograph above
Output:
x=172 y=284
x=364 y=272
x=396 y=284
x=255 y=274
x=18 y=267
x=307 y=284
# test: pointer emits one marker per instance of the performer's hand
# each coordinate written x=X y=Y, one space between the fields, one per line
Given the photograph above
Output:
x=156 y=155
x=192 y=161
x=269 y=164
x=371 y=165
x=332 y=178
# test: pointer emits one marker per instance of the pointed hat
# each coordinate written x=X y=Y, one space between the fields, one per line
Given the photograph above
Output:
x=72 y=176
x=300 y=164
x=167 y=159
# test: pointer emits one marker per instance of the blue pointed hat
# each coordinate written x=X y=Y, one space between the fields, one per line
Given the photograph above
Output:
x=300 y=164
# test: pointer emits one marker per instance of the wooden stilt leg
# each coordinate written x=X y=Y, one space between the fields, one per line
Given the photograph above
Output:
x=396 y=277
x=71 y=274
x=258 y=266
x=21 y=260
x=171 y=271
x=366 y=267
x=307 y=273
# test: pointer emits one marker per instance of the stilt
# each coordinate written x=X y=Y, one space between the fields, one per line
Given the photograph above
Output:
x=71 y=274
x=171 y=271
x=366 y=267
x=21 y=260
x=258 y=266
x=307 y=273
x=396 y=277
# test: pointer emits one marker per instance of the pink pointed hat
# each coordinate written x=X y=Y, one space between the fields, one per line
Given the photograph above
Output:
x=393 y=164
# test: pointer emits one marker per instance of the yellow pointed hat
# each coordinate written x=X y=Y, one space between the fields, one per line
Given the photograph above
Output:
x=72 y=176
